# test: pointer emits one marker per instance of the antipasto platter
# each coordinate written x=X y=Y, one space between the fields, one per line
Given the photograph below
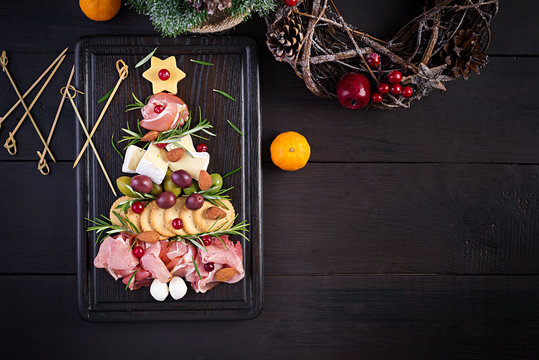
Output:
x=169 y=190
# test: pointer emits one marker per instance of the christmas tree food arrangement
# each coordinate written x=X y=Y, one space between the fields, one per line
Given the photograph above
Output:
x=174 y=17
x=336 y=60
x=174 y=219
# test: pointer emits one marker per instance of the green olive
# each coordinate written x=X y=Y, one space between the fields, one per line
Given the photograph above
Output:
x=191 y=189
x=170 y=186
x=217 y=181
x=123 y=182
x=156 y=189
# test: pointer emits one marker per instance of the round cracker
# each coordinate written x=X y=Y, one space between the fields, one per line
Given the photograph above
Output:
x=204 y=224
x=173 y=213
x=188 y=222
x=145 y=220
x=157 y=221
x=134 y=218
x=113 y=219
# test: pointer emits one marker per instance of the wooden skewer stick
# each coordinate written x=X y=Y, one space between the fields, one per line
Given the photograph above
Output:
x=42 y=165
x=3 y=63
x=70 y=97
x=32 y=87
x=122 y=72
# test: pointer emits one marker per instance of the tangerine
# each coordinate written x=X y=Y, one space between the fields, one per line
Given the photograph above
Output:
x=100 y=10
x=290 y=151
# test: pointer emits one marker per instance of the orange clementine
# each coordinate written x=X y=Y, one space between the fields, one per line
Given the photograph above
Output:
x=290 y=151
x=100 y=10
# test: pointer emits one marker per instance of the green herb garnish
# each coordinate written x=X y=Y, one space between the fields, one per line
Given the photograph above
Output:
x=104 y=227
x=232 y=172
x=105 y=97
x=234 y=127
x=224 y=94
x=137 y=105
x=115 y=148
x=196 y=239
x=215 y=195
x=146 y=58
x=126 y=204
x=131 y=279
x=196 y=268
x=201 y=62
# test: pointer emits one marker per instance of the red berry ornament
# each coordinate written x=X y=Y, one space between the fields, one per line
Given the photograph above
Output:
x=158 y=109
x=202 y=147
x=177 y=223
x=395 y=89
x=138 y=252
x=373 y=59
x=291 y=2
x=377 y=98
x=163 y=74
x=354 y=91
x=394 y=77
x=383 y=88
x=407 y=92
x=137 y=207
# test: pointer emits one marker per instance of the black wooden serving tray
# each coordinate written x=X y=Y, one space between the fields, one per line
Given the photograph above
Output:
x=235 y=72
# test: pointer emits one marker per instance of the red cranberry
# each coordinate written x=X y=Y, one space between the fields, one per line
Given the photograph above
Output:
x=161 y=145
x=163 y=74
x=407 y=92
x=377 y=98
x=158 y=109
x=208 y=267
x=373 y=59
x=177 y=223
x=395 y=89
x=202 y=147
x=394 y=77
x=137 y=207
x=291 y=2
x=206 y=239
x=138 y=252
x=383 y=88
x=354 y=91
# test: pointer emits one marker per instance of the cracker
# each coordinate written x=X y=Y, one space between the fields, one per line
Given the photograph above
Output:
x=203 y=223
x=157 y=221
x=145 y=219
x=173 y=213
x=113 y=219
x=188 y=222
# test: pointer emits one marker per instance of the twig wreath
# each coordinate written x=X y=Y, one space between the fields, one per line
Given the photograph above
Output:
x=447 y=41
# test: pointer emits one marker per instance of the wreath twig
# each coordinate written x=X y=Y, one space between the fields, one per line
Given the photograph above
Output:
x=447 y=41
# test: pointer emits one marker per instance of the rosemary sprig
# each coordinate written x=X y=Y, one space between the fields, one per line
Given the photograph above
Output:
x=137 y=105
x=215 y=195
x=231 y=172
x=105 y=97
x=115 y=148
x=224 y=94
x=196 y=268
x=126 y=204
x=104 y=227
x=200 y=62
x=131 y=279
x=234 y=127
x=196 y=239
x=146 y=58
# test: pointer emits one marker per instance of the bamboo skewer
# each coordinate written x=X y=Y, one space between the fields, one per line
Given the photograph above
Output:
x=122 y=72
x=3 y=63
x=32 y=87
x=66 y=93
x=42 y=165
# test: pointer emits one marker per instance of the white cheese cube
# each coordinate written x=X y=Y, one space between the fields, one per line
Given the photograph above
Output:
x=133 y=154
x=186 y=142
x=154 y=164
x=192 y=165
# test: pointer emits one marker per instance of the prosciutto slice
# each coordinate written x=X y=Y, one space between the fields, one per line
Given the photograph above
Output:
x=221 y=257
x=151 y=262
x=116 y=257
x=163 y=112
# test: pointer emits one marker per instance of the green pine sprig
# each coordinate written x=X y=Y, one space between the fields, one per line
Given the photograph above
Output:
x=214 y=195
x=104 y=227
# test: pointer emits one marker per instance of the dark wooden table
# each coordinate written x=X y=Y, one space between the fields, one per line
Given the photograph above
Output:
x=410 y=234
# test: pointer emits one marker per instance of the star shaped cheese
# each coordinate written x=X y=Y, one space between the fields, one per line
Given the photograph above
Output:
x=164 y=75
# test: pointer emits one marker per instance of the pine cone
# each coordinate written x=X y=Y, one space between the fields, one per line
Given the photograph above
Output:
x=210 y=5
x=284 y=39
x=464 y=54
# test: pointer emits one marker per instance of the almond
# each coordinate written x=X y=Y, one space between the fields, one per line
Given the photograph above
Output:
x=215 y=213
x=150 y=136
x=225 y=274
x=175 y=154
x=204 y=180
x=149 y=237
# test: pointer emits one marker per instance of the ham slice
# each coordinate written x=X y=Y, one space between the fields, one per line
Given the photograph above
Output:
x=116 y=257
x=172 y=111
x=221 y=258
x=182 y=266
x=151 y=262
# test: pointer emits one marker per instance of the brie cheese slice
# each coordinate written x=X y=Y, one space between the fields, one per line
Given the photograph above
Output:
x=185 y=142
x=133 y=154
x=192 y=165
x=153 y=164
